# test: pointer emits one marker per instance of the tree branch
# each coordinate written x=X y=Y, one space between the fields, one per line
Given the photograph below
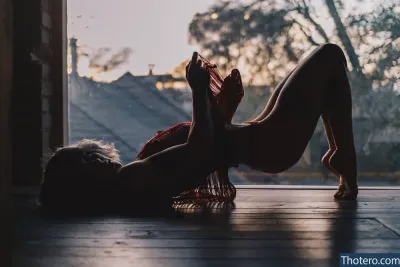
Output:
x=305 y=12
x=309 y=37
x=385 y=43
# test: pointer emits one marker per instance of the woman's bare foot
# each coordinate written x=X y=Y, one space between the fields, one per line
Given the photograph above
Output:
x=345 y=165
x=325 y=161
x=341 y=190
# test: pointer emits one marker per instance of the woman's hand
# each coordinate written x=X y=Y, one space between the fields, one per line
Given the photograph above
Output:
x=197 y=76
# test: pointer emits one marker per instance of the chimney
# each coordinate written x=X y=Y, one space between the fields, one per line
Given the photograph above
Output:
x=151 y=67
x=74 y=56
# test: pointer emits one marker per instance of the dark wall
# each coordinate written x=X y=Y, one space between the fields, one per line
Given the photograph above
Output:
x=5 y=89
x=27 y=98
x=37 y=96
x=26 y=93
x=5 y=134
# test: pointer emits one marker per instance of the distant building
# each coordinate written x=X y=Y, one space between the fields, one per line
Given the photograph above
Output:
x=127 y=111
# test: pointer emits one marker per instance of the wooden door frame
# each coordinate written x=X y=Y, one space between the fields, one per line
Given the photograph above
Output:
x=38 y=117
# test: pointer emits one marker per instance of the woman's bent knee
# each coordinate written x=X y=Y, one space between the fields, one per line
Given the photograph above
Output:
x=333 y=51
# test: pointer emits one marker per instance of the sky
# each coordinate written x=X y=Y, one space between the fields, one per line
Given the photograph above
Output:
x=156 y=30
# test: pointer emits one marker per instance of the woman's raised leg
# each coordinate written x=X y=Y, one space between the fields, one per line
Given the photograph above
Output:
x=338 y=111
x=271 y=101
x=325 y=120
x=274 y=96
x=318 y=86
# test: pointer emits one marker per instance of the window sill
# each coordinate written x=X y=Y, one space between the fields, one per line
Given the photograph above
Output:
x=312 y=187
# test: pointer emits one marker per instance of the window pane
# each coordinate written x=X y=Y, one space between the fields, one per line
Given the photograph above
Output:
x=127 y=58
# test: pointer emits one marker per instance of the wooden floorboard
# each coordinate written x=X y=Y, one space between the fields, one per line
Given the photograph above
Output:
x=263 y=228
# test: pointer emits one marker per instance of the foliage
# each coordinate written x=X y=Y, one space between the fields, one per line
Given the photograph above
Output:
x=269 y=37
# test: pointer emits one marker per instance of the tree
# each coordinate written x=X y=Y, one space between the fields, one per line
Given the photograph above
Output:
x=269 y=37
x=378 y=33
x=103 y=59
x=180 y=69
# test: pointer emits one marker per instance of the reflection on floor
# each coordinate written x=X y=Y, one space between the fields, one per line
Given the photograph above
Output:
x=263 y=228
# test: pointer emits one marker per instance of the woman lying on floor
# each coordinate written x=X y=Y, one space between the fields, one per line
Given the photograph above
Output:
x=181 y=160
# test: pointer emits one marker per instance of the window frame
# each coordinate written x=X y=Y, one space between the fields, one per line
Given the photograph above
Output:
x=59 y=100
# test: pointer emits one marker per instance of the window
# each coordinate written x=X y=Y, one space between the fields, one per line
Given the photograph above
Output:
x=126 y=63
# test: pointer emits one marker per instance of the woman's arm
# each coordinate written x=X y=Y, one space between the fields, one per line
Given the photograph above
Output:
x=201 y=135
x=178 y=168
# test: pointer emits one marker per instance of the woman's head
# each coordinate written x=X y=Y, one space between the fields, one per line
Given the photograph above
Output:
x=78 y=174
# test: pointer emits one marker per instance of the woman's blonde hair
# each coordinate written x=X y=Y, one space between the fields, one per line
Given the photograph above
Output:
x=63 y=174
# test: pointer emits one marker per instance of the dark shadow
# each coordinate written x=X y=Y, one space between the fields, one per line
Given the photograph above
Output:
x=154 y=208
x=131 y=209
x=344 y=230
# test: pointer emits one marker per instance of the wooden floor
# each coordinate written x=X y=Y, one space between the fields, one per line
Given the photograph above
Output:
x=265 y=228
